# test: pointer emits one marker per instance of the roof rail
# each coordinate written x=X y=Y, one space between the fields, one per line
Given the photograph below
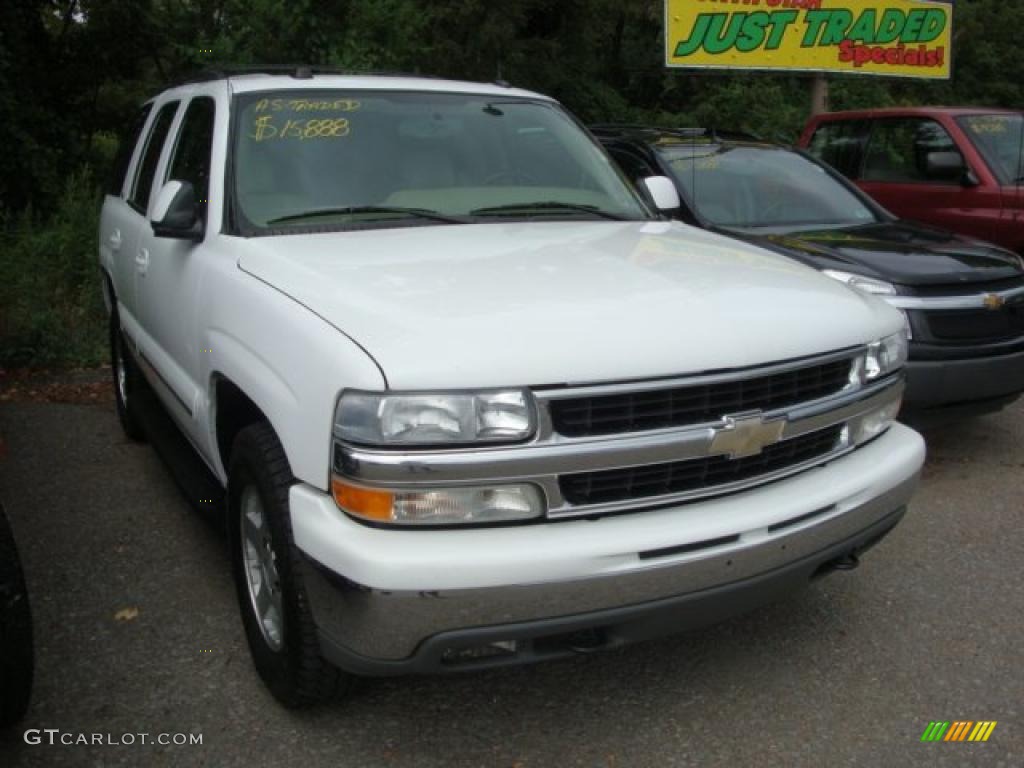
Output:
x=297 y=71
x=692 y=132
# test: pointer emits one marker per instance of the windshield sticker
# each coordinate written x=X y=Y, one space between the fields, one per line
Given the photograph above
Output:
x=266 y=128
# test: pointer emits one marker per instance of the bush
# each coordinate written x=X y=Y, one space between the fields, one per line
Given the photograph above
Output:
x=51 y=307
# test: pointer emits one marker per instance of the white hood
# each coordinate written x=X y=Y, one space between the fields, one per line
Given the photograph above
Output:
x=505 y=304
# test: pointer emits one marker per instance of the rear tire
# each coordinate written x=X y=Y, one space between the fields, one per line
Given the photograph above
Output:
x=17 y=657
x=128 y=382
x=276 y=614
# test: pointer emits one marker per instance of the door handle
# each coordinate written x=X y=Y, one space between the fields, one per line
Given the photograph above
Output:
x=115 y=240
x=142 y=261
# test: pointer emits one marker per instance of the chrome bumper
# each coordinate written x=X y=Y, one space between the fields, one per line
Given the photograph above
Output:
x=367 y=629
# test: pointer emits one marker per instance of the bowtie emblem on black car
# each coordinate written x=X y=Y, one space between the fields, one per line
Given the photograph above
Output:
x=746 y=435
x=994 y=301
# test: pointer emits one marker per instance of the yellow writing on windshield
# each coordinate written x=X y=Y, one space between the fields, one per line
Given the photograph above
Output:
x=697 y=162
x=265 y=128
x=307 y=105
x=989 y=124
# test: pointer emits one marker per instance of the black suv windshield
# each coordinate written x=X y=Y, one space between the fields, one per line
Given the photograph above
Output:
x=374 y=158
x=749 y=186
x=999 y=139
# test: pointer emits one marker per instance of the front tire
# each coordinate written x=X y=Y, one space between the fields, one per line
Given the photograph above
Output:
x=128 y=382
x=276 y=615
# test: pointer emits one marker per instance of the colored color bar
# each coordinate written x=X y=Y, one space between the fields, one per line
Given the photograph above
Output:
x=934 y=730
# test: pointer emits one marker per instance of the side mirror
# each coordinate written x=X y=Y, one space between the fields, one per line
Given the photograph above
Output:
x=175 y=213
x=946 y=166
x=663 y=192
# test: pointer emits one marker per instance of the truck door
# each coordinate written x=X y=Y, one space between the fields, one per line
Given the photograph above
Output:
x=168 y=289
x=117 y=219
x=896 y=173
x=129 y=220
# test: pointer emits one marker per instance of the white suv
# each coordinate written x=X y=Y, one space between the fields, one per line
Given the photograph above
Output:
x=472 y=399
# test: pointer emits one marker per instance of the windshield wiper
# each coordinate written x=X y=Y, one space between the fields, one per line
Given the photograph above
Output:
x=547 y=205
x=421 y=213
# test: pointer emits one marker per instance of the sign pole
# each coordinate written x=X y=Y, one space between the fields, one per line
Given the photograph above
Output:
x=819 y=94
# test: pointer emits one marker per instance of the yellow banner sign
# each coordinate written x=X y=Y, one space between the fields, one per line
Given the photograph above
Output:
x=896 y=38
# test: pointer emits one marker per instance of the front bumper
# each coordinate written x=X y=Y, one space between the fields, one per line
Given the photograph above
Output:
x=389 y=601
x=949 y=383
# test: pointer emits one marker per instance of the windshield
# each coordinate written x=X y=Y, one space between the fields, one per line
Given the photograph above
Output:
x=999 y=139
x=371 y=158
x=747 y=186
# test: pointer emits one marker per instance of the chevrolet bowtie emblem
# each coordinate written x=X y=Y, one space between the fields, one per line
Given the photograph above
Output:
x=746 y=435
x=994 y=301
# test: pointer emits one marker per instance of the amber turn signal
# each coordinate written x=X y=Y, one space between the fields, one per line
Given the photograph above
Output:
x=363 y=502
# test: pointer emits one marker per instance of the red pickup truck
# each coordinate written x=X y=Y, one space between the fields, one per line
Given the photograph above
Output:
x=957 y=168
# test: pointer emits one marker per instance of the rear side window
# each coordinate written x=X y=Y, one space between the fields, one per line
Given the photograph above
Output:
x=191 y=160
x=139 y=197
x=125 y=150
x=840 y=144
x=899 y=147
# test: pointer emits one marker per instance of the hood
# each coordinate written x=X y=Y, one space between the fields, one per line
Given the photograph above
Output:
x=899 y=252
x=503 y=304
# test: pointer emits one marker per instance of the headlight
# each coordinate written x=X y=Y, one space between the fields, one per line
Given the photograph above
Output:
x=386 y=419
x=881 y=359
x=862 y=283
x=439 y=506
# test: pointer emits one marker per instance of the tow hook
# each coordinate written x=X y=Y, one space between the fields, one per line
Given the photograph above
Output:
x=587 y=641
x=847 y=562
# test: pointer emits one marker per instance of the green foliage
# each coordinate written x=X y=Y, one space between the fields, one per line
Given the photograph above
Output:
x=51 y=308
x=73 y=71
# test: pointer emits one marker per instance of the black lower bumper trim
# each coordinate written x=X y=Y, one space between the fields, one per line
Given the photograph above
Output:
x=527 y=642
x=982 y=382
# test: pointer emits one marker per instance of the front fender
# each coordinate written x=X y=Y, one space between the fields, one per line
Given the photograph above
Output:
x=290 y=362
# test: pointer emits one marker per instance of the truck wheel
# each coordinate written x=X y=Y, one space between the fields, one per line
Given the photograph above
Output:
x=127 y=382
x=16 y=654
x=276 y=615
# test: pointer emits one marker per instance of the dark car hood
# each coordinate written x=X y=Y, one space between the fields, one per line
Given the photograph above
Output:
x=899 y=252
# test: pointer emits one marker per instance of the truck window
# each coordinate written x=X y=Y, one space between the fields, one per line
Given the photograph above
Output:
x=1000 y=139
x=840 y=144
x=139 y=197
x=299 y=153
x=191 y=159
x=125 y=149
x=898 y=150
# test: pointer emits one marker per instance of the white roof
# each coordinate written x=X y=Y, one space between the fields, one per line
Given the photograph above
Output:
x=259 y=82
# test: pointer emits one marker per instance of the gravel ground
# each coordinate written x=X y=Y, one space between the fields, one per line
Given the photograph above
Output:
x=137 y=631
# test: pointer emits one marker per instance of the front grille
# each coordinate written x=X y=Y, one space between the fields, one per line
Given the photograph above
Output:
x=978 y=325
x=694 y=474
x=696 y=404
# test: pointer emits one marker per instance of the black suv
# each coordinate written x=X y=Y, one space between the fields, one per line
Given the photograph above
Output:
x=963 y=298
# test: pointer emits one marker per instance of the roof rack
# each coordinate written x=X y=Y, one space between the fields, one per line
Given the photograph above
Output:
x=297 y=71
x=714 y=134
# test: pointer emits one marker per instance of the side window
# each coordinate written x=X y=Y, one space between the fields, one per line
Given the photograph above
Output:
x=191 y=159
x=125 y=150
x=632 y=164
x=139 y=196
x=898 y=150
x=840 y=144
